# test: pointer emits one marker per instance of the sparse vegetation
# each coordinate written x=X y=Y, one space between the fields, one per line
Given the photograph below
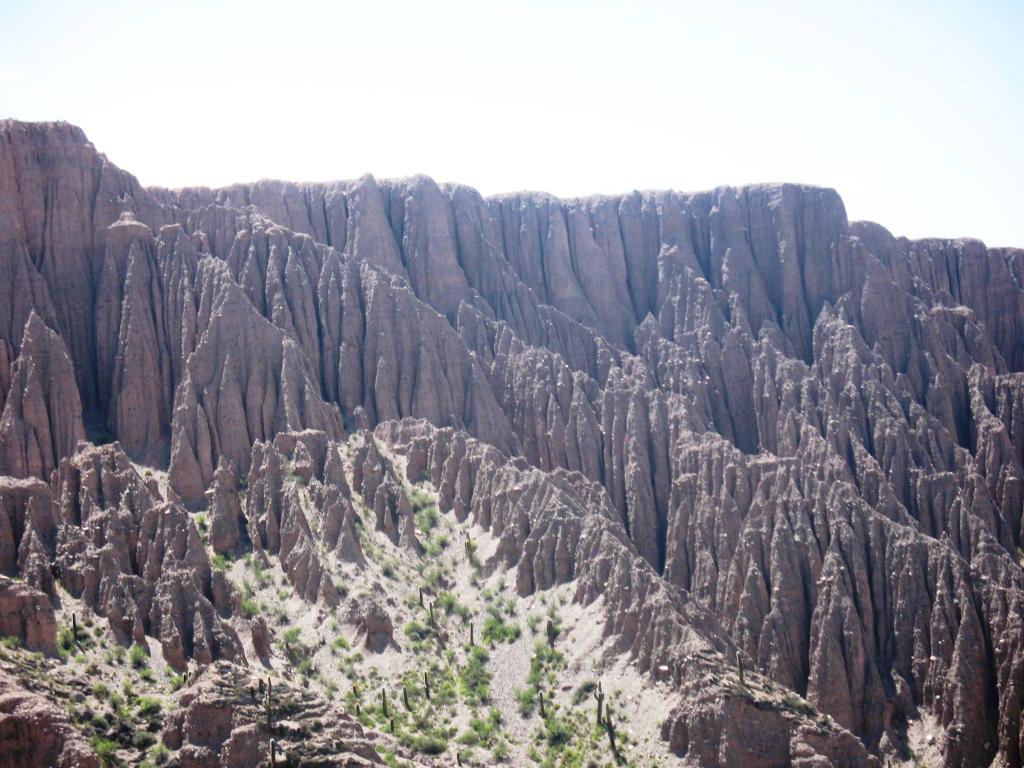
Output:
x=439 y=702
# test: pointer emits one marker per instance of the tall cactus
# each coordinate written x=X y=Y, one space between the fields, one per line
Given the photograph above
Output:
x=599 y=698
x=268 y=704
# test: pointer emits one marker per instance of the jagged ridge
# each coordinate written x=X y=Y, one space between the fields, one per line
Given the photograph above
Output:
x=810 y=427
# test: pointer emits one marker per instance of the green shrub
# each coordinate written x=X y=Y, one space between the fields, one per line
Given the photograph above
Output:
x=106 y=751
x=143 y=740
x=471 y=548
x=483 y=730
x=426 y=518
x=117 y=705
x=584 y=691
x=139 y=656
x=249 y=607
x=527 y=700
x=498 y=631
x=499 y=752
x=544 y=659
x=159 y=754
x=418 y=631
x=65 y=640
x=469 y=739
x=426 y=743
x=474 y=678
x=557 y=731
x=149 y=707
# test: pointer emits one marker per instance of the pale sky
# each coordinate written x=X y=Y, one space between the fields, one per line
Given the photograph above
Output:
x=913 y=111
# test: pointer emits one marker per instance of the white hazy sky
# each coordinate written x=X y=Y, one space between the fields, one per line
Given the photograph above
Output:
x=913 y=111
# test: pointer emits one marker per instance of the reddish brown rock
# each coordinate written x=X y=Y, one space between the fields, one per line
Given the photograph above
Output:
x=372 y=623
x=36 y=732
x=216 y=723
x=226 y=519
x=137 y=560
x=26 y=614
x=745 y=423
x=42 y=417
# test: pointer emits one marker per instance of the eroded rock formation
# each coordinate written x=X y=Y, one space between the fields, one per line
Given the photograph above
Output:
x=751 y=430
x=34 y=731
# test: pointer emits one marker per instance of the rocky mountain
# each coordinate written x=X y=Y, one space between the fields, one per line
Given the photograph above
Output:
x=387 y=471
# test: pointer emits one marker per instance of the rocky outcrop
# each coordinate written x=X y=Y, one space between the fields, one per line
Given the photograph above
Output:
x=42 y=416
x=26 y=615
x=752 y=428
x=137 y=559
x=245 y=381
x=556 y=528
x=57 y=197
x=220 y=722
x=27 y=528
x=226 y=518
x=35 y=731
x=372 y=623
x=283 y=519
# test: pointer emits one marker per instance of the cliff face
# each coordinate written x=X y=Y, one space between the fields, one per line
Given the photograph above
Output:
x=751 y=429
